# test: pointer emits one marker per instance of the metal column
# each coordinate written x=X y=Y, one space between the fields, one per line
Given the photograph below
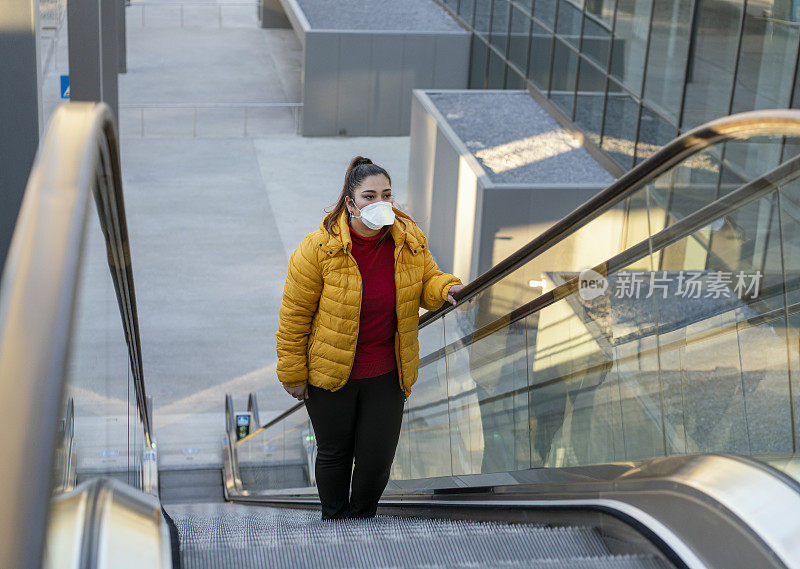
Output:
x=93 y=53
x=20 y=108
x=122 y=47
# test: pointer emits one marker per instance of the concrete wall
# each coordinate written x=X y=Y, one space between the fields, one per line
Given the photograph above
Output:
x=473 y=223
x=271 y=15
x=359 y=82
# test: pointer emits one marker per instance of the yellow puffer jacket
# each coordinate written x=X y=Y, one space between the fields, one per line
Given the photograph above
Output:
x=319 y=315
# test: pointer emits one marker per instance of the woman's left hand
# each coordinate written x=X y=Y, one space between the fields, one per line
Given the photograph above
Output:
x=453 y=289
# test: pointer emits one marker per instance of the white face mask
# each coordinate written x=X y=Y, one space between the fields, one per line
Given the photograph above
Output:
x=376 y=215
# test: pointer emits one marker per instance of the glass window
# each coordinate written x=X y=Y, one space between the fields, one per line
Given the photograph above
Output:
x=514 y=80
x=744 y=160
x=545 y=12
x=478 y=62
x=452 y=4
x=666 y=62
x=602 y=10
x=526 y=5
x=483 y=13
x=630 y=42
x=569 y=21
x=500 y=17
x=596 y=40
x=466 y=9
x=497 y=71
x=767 y=58
x=518 y=39
x=565 y=71
x=540 y=54
x=711 y=60
x=791 y=147
x=591 y=97
x=790 y=237
x=619 y=132
x=654 y=132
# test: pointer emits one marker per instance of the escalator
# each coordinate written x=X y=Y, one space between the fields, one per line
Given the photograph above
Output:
x=619 y=393
x=630 y=370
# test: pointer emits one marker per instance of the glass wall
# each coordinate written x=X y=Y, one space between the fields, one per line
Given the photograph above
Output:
x=632 y=74
x=107 y=434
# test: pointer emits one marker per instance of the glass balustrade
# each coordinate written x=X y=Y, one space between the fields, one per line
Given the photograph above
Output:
x=103 y=432
x=98 y=376
x=667 y=324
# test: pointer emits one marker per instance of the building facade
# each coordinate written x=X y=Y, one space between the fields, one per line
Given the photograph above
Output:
x=633 y=74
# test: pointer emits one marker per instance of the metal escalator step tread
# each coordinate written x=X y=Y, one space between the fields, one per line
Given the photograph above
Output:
x=218 y=535
x=256 y=558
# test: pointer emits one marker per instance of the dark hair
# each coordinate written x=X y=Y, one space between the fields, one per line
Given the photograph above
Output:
x=359 y=169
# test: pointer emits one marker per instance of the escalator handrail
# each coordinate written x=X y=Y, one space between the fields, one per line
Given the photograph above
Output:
x=79 y=157
x=778 y=122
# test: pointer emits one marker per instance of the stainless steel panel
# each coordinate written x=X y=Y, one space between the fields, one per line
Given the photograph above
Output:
x=444 y=194
x=387 y=77
x=355 y=90
x=421 y=163
x=320 y=83
x=451 y=61
x=417 y=72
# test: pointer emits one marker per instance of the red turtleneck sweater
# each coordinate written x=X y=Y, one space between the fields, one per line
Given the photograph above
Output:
x=378 y=321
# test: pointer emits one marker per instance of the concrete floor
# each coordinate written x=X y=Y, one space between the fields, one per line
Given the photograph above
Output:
x=215 y=210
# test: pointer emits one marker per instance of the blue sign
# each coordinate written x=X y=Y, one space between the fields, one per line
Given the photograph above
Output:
x=65 y=86
x=242 y=425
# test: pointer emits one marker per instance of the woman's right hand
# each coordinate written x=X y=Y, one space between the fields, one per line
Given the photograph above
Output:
x=299 y=392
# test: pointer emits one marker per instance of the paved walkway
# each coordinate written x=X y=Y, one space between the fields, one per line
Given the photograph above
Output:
x=219 y=190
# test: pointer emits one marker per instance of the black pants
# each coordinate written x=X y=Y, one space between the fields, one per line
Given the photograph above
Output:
x=360 y=421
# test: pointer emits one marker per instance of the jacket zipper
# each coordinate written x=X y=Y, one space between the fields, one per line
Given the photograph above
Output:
x=397 y=349
x=358 y=319
x=313 y=339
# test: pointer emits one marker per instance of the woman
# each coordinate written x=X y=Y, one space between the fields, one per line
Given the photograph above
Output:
x=347 y=334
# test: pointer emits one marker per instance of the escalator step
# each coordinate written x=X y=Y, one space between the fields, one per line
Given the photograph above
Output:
x=214 y=536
